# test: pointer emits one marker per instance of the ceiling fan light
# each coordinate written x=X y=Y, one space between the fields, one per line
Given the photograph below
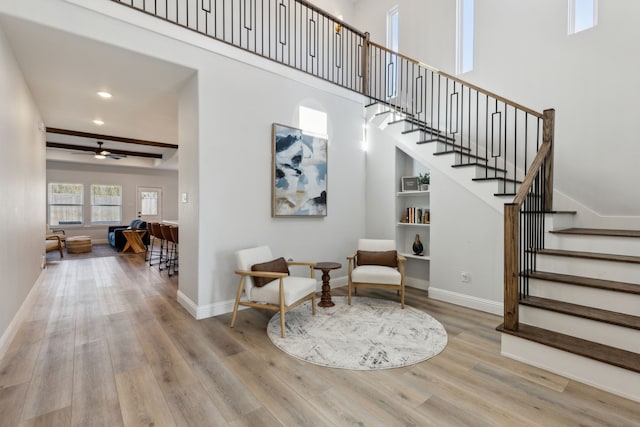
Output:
x=99 y=156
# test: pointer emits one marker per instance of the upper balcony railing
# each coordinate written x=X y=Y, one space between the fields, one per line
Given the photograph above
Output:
x=508 y=142
x=292 y=32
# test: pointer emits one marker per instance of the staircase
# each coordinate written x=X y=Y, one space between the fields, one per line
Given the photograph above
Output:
x=582 y=309
x=583 y=299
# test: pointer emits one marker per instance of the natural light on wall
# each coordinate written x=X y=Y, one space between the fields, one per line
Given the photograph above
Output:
x=313 y=121
x=583 y=14
x=464 y=36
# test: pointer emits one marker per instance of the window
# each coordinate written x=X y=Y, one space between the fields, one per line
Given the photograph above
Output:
x=583 y=14
x=65 y=203
x=106 y=204
x=392 y=43
x=464 y=36
x=149 y=203
x=313 y=121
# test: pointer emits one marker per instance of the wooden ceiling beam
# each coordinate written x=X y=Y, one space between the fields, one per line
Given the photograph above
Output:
x=111 y=138
x=94 y=149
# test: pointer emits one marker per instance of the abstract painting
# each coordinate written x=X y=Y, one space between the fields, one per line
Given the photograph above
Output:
x=299 y=173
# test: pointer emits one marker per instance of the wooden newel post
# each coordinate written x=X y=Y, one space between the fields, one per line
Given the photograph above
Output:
x=511 y=292
x=364 y=62
x=548 y=126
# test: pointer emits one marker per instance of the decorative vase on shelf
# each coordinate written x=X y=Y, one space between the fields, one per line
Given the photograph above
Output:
x=417 y=246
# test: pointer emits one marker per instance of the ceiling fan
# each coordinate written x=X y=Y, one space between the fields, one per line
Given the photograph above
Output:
x=101 y=153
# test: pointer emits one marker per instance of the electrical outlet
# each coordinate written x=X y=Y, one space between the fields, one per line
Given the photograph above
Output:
x=465 y=277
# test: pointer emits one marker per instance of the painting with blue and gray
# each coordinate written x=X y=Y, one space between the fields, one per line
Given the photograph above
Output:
x=300 y=173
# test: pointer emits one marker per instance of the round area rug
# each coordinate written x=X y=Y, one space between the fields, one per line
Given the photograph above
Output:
x=369 y=334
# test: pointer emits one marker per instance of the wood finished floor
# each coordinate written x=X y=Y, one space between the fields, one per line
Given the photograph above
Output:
x=107 y=344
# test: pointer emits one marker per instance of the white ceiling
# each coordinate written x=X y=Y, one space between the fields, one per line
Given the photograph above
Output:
x=64 y=72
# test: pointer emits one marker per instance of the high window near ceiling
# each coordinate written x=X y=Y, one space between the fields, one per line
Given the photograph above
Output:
x=464 y=35
x=583 y=14
x=65 y=203
x=106 y=204
x=314 y=121
x=393 y=29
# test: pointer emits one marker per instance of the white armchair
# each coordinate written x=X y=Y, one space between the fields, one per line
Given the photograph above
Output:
x=53 y=242
x=268 y=285
x=376 y=264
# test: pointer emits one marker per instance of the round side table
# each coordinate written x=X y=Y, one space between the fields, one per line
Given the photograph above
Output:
x=326 y=267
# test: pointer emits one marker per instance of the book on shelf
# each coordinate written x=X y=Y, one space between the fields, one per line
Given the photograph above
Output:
x=415 y=215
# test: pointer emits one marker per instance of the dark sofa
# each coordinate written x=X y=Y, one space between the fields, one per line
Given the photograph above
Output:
x=117 y=239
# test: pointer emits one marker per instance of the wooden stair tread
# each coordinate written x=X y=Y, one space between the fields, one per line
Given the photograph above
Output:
x=609 y=285
x=443 y=141
x=497 y=178
x=606 y=316
x=600 y=352
x=590 y=255
x=479 y=165
x=462 y=152
x=598 y=232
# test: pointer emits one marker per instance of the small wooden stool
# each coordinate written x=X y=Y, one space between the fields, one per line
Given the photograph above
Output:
x=78 y=244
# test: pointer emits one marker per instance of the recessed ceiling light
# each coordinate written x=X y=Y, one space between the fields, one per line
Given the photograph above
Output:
x=104 y=94
x=98 y=122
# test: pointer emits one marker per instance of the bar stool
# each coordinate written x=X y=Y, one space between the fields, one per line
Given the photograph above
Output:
x=165 y=232
x=173 y=258
x=155 y=234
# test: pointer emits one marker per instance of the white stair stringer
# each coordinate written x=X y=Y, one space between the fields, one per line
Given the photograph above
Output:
x=484 y=190
x=587 y=329
x=593 y=268
x=606 y=377
x=603 y=299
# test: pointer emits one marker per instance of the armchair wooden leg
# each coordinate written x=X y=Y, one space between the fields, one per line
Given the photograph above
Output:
x=402 y=296
x=235 y=306
x=349 y=295
x=282 y=310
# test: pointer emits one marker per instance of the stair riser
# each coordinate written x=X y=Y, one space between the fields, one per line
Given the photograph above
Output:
x=600 y=375
x=603 y=333
x=590 y=297
x=607 y=270
x=599 y=244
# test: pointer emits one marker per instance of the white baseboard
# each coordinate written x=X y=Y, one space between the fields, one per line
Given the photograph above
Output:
x=12 y=330
x=475 y=303
x=588 y=371
x=417 y=283
x=223 y=307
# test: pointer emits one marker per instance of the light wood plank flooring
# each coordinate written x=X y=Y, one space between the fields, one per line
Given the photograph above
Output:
x=106 y=343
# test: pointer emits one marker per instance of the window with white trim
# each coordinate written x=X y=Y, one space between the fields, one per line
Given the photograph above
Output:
x=65 y=203
x=583 y=14
x=314 y=121
x=106 y=204
x=464 y=36
x=393 y=29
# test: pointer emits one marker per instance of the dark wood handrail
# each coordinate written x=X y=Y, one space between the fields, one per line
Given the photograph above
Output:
x=330 y=16
x=462 y=82
x=533 y=172
x=542 y=164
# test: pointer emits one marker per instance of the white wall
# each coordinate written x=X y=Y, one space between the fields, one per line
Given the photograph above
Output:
x=466 y=233
x=129 y=178
x=227 y=174
x=523 y=52
x=235 y=175
x=22 y=191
